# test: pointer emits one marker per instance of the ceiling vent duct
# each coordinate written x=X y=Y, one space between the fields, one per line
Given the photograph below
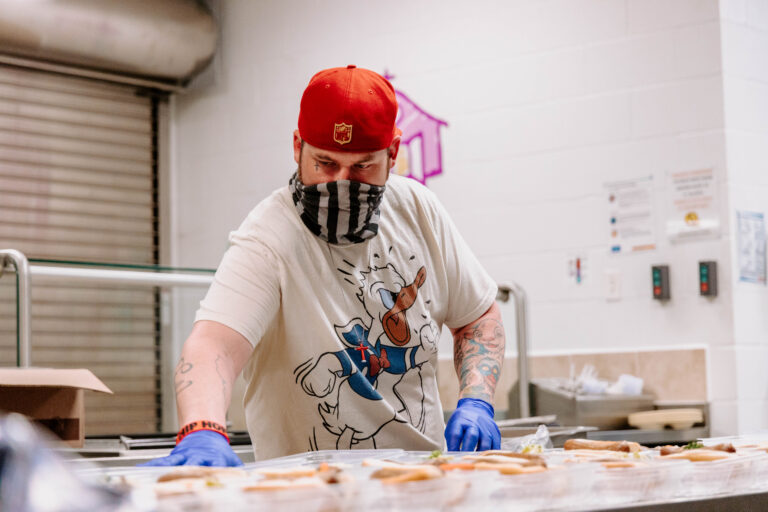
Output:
x=158 y=43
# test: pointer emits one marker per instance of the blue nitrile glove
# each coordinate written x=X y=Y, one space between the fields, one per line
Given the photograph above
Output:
x=471 y=426
x=200 y=448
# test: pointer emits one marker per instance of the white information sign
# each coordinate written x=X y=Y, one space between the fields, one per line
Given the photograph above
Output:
x=751 y=242
x=630 y=215
x=692 y=210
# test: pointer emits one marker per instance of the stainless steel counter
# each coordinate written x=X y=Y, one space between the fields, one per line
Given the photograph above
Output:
x=732 y=503
x=125 y=451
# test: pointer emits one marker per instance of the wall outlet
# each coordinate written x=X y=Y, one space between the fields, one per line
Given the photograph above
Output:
x=612 y=285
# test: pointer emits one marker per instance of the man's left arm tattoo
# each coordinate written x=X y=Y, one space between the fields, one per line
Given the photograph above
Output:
x=181 y=378
x=478 y=353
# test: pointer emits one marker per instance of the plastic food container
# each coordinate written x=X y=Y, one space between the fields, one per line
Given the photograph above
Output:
x=747 y=466
x=556 y=488
x=731 y=475
x=580 y=489
x=759 y=468
x=235 y=500
x=430 y=495
x=336 y=497
x=648 y=481
x=352 y=457
x=233 y=497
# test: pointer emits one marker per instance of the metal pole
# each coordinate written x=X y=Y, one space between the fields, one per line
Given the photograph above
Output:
x=521 y=312
x=23 y=310
x=521 y=320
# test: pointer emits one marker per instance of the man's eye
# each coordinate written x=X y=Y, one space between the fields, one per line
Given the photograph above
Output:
x=362 y=166
x=326 y=164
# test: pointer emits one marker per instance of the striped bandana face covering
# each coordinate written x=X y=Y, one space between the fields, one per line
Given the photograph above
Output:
x=339 y=212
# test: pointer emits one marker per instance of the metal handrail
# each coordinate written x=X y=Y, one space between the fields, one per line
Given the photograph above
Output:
x=131 y=277
x=13 y=260
x=521 y=322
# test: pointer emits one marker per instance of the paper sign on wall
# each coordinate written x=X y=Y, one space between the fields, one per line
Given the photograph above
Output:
x=630 y=215
x=751 y=242
x=577 y=269
x=692 y=210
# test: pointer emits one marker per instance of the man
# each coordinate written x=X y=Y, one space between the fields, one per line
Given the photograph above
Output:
x=331 y=299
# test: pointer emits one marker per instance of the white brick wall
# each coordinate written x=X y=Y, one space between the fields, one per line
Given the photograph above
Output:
x=546 y=101
x=650 y=15
x=744 y=29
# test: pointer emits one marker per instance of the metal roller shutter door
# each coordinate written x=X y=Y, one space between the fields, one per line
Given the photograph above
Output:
x=77 y=182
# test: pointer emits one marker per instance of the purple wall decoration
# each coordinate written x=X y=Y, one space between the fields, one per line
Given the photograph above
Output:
x=421 y=154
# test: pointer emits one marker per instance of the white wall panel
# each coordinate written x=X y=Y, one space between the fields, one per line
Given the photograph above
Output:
x=545 y=103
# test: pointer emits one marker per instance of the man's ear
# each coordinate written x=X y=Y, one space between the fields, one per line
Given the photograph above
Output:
x=296 y=146
x=392 y=151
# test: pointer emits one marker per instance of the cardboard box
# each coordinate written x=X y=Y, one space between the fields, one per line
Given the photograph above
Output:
x=50 y=397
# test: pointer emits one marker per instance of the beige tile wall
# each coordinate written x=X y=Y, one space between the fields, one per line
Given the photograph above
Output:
x=676 y=375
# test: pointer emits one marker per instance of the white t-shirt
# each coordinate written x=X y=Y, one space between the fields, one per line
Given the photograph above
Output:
x=330 y=367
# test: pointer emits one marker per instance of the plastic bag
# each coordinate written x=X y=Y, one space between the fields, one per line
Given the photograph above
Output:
x=588 y=383
x=33 y=478
x=532 y=443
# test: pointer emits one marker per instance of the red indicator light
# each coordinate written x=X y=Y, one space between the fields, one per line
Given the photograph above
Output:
x=657 y=290
x=704 y=287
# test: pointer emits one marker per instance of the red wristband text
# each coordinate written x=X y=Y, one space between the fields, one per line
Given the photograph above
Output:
x=201 y=425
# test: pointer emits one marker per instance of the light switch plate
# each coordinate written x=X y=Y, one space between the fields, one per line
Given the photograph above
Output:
x=612 y=285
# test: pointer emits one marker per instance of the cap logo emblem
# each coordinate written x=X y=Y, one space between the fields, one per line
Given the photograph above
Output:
x=342 y=133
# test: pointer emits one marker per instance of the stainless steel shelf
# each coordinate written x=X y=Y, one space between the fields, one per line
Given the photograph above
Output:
x=651 y=437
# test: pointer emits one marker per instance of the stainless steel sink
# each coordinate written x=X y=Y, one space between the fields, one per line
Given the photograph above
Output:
x=603 y=411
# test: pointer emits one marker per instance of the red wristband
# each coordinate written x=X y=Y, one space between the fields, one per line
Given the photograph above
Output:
x=200 y=425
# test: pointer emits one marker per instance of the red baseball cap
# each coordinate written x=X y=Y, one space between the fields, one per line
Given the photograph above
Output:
x=348 y=109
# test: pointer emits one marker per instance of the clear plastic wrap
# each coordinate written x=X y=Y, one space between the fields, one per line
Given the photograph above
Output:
x=756 y=444
x=646 y=481
x=759 y=468
x=557 y=488
x=732 y=475
x=566 y=485
x=332 y=457
x=532 y=443
x=337 y=498
x=34 y=479
x=428 y=495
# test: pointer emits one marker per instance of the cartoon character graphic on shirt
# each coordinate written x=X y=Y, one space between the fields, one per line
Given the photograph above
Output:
x=382 y=361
